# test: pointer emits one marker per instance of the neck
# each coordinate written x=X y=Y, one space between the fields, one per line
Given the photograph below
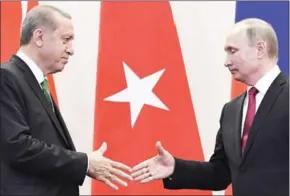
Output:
x=34 y=56
x=264 y=68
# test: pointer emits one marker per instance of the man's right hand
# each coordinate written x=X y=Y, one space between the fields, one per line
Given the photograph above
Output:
x=159 y=167
x=107 y=170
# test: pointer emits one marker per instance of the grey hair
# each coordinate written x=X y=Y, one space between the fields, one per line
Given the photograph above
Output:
x=40 y=16
x=257 y=30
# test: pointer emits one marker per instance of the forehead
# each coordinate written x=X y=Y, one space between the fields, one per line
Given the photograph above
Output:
x=236 y=39
x=65 y=26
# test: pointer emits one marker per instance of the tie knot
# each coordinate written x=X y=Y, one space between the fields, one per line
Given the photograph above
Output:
x=253 y=91
x=44 y=84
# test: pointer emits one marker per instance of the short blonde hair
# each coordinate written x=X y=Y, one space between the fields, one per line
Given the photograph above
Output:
x=256 y=30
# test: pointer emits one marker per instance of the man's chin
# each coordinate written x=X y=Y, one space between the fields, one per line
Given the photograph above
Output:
x=237 y=77
x=61 y=66
x=59 y=69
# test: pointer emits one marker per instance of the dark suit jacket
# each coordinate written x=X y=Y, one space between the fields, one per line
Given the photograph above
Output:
x=263 y=168
x=37 y=154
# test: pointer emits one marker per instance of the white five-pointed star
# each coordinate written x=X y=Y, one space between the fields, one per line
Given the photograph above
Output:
x=138 y=92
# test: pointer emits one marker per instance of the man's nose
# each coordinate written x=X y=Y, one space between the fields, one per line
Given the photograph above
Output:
x=70 y=50
x=228 y=62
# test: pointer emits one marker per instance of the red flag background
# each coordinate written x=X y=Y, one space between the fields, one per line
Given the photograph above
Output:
x=143 y=35
x=10 y=28
x=237 y=88
x=148 y=37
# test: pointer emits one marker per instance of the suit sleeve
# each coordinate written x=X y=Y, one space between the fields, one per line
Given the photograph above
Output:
x=211 y=175
x=23 y=152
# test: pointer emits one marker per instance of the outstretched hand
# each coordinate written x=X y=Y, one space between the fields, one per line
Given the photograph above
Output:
x=159 y=167
x=107 y=170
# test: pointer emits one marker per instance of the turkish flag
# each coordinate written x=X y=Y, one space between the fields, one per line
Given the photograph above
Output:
x=142 y=92
x=11 y=17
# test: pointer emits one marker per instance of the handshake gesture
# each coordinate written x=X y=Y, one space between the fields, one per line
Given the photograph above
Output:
x=109 y=172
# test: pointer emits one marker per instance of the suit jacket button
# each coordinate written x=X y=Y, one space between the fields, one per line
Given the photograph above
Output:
x=242 y=169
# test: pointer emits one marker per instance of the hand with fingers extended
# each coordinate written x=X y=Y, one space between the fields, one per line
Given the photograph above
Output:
x=107 y=170
x=159 y=167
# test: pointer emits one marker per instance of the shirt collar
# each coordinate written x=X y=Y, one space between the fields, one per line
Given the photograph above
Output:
x=32 y=65
x=265 y=82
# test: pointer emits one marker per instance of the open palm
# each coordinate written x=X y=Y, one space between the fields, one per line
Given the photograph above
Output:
x=159 y=167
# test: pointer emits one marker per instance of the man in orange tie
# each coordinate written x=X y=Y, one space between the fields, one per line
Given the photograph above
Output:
x=252 y=143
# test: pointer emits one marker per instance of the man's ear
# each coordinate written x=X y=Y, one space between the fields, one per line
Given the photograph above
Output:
x=37 y=37
x=261 y=49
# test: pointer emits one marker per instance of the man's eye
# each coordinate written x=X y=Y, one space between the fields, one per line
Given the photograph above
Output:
x=65 y=40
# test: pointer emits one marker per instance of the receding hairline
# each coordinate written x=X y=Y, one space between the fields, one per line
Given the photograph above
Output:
x=255 y=30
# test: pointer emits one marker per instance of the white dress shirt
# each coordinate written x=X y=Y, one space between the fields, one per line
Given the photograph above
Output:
x=33 y=67
x=262 y=86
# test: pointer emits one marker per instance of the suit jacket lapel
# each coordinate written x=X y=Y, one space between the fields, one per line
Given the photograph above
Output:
x=62 y=123
x=263 y=110
x=237 y=130
x=31 y=80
